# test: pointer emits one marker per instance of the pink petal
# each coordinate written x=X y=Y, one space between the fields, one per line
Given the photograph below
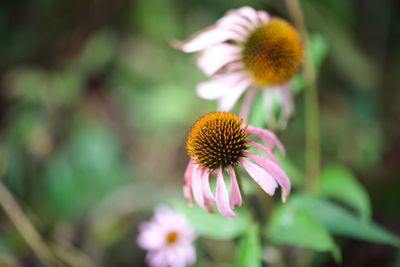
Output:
x=249 y=13
x=263 y=16
x=281 y=94
x=228 y=100
x=209 y=197
x=190 y=254
x=269 y=99
x=286 y=97
x=197 y=187
x=260 y=176
x=150 y=240
x=187 y=182
x=157 y=258
x=214 y=58
x=222 y=196
x=234 y=67
x=266 y=150
x=247 y=102
x=207 y=38
x=234 y=18
x=236 y=197
x=268 y=137
x=275 y=170
x=219 y=85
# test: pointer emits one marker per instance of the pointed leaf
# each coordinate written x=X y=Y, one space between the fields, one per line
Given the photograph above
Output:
x=341 y=222
x=339 y=183
x=292 y=225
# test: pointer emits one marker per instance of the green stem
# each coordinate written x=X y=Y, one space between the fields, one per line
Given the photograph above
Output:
x=313 y=152
x=26 y=229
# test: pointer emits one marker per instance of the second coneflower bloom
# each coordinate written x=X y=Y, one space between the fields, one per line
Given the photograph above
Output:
x=219 y=141
x=248 y=50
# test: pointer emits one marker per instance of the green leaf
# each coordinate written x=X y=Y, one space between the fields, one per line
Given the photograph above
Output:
x=248 y=252
x=317 y=50
x=339 y=221
x=339 y=183
x=291 y=225
x=215 y=225
x=83 y=171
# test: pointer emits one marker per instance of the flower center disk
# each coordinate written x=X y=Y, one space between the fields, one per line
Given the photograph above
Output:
x=273 y=52
x=171 y=237
x=217 y=140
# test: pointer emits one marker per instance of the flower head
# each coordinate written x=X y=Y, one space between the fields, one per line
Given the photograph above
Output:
x=219 y=141
x=247 y=49
x=168 y=239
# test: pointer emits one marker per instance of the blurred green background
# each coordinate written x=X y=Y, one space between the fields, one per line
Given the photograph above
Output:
x=95 y=106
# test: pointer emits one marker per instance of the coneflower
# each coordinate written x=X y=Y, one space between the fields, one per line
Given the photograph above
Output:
x=219 y=141
x=248 y=50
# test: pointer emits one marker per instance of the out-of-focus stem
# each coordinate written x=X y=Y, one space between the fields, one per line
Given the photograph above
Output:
x=26 y=229
x=311 y=101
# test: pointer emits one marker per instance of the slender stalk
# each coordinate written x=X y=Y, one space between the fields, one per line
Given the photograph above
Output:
x=26 y=229
x=313 y=152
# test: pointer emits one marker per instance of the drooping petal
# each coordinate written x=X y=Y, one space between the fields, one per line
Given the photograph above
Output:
x=249 y=13
x=219 y=85
x=215 y=57
x=228 y=100
x=286 y=97
x=247 y=102
x=263 y=16
x=269 y=99
x=275 y=170
x=207 y=38
x=187 y=182
x=260 y=176
x=280 y=95
x=268 y=137
x=234 y=18
x=197 y=187
x=222 y=197
x=236 y=197
x=266 y=150
x=208 y=195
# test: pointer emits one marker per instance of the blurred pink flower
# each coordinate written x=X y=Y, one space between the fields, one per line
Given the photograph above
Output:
x=168 y=239
x=248 y=50
x=217 y=142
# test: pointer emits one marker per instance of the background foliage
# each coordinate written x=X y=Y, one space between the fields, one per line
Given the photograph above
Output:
x=94 y=109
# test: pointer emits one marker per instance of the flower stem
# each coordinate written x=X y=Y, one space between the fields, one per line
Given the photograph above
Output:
x=26 y=229
x=311 y=101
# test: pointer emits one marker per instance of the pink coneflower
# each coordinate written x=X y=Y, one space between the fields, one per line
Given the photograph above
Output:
x=248 y=50
x=168 y=239
x=217 y=142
